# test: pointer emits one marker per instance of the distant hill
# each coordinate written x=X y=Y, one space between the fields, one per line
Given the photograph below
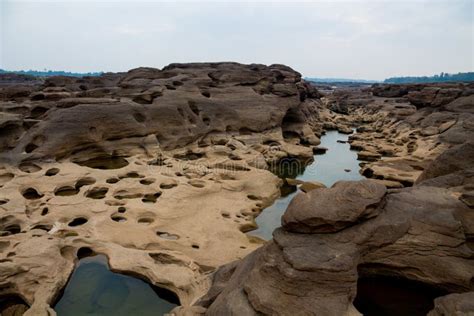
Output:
x=340 y=80
x=49 y=73
x=442 y=77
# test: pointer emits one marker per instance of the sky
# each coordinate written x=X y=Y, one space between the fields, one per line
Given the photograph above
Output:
x=364 y=39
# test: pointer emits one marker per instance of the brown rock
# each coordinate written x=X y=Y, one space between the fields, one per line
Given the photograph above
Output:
x=331 y=210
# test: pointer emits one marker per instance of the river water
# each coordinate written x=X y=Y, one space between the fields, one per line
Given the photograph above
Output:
x=338 y=163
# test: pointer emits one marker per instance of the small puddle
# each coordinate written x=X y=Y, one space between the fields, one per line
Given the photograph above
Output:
x=95 y=290
x=327 y=168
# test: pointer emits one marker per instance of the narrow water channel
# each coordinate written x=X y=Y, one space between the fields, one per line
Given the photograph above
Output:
x=338 y=163
x=95 y=290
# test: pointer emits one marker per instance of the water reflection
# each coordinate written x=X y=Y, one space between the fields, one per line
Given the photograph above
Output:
x=338 y=163
x=95 y=290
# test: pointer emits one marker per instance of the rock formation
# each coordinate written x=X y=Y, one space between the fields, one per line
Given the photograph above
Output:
x=141 y=166
x=164 y=171
x=331 y=239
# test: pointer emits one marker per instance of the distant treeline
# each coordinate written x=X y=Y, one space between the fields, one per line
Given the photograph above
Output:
x=49 y=73
x=442 y=77
x=340 y=80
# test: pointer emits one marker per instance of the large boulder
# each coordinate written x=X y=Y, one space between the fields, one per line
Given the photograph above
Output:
x=323 y=211
x=458 y=158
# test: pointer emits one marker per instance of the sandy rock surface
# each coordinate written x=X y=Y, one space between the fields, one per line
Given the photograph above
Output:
x=163 y=171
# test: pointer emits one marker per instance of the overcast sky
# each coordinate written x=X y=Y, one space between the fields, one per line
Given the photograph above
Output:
x=351 y=39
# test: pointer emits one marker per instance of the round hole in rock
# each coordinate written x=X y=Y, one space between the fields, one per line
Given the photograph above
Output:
x=94 y=289
x=51 y=172
x=118 y=218
x=12 y=305
x=151 y=198
x=45 y=211
x=169 y=185
x=391 y=296
x=31 y=194
x=195 y=246
x=78 y=221
x=122 y=209
x=97 y=193
x=84 y=181
x=104 y=162
x=30 y=148
x=10 y=230
x=145 y=220
x=112 y=180
x=4 y=201
x=168 y=236
x=147 y=181
x=197 y=183
x=85 y=252
x=66 y=191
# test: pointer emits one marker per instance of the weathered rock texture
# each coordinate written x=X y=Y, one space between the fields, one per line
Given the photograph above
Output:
x=330 y=237
x=161 y=170
x=416 y=233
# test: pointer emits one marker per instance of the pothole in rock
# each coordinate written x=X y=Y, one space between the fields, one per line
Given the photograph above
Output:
x=3 y=201
x=12 y=305
x=166 y=235
x=147 y=181
x=112 y=180
x=78 y=221
x=132 y=174
x=197 y=183
x=95 y=290
x=168 y=185
x=45 y=211
x=390 y=296
x=104 y=162
x=189 y=155
x=31 y=194
x=45 y=227
x=124 y=194
x=118 y=218
x=51 y=172
x=29 y=167
x=83 y=182
x=146 y=218
x=97 y=193
x=121 y=209
x=84 y=252
x=151 y=197
x=66 y=191
x=11 y=229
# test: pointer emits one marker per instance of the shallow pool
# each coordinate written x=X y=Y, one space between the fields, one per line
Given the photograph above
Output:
x=338 y=163
x=95 y=290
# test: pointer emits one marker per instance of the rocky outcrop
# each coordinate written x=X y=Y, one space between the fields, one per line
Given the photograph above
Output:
x=398 y=137
x=417 y=139
x=414 y=233
x=141 y=166
x=333 y=209
x=177 y=105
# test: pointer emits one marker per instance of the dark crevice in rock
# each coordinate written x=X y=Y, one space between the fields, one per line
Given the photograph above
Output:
x=78 y=221
x=391 y=296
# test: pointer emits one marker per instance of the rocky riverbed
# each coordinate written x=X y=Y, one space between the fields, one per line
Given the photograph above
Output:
x=164 y=172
